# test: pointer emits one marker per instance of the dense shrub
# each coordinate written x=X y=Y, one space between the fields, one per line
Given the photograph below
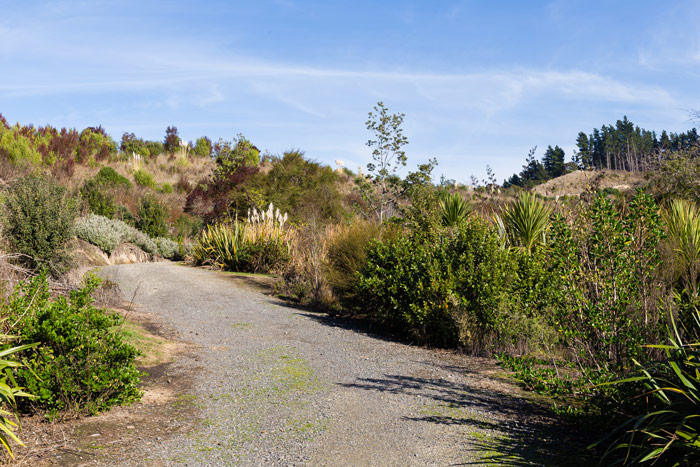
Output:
x=347 y=254
x=609 y=292
x=450 y=292
x=203 y=147
x=110 y=233
x=144 y=178
x=95 y=142
x=154 y=148
x=130 y=145
x=39 y=218
x=100 y=231
x=168 y=249
x=18 y=148
x=99 y=191
x=152 y=217
x=80 y=365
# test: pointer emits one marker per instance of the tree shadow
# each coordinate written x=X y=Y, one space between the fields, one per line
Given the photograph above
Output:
x=501 y=429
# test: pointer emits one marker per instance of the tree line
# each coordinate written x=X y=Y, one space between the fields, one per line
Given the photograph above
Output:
x=622 y=146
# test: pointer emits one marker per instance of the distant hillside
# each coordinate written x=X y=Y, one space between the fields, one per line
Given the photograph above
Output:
x=575 y=183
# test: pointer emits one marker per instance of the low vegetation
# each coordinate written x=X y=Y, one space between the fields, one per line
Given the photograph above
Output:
x=591 y=299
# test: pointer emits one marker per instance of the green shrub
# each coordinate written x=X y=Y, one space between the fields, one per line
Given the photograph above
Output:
x=155 y=148
x=107 y=176
x=39 y=218
x=187 y=226
x=144 y=178
x=99 y=200
x=152 y=217
x=19 y=149
x=454 y=291
x=203 y=147
x=80 y=365
x=166 y=188
x=99 y=191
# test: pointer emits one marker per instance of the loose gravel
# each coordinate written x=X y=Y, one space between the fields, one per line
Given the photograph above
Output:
x=278 y=385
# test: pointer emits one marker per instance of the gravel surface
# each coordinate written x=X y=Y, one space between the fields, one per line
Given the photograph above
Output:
x=277 y=385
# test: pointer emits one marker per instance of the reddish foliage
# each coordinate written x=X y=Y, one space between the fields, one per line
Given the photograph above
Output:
x=211 y=199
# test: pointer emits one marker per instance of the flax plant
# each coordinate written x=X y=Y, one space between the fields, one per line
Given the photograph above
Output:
x=683 y=227
x=220 y=245
x=670 y=428
x=526 y=222
x=455 y=209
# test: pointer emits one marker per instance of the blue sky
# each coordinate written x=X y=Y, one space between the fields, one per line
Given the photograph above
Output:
x=480 y=82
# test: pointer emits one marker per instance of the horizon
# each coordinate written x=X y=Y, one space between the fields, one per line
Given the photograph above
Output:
x=479 y=85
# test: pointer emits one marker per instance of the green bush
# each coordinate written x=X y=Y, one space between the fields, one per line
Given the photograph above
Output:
x=39 y=218
x=144 y=178
x=166 y=188
x=152 y=217
x=80 y=364
x=347 y=253
x=18 y=148
x=202 y=147
x=99 y=191
x=155 y=148
x=99 y=200
x=109 y=177
x=451 y=292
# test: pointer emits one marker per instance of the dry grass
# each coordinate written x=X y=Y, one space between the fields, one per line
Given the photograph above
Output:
x=575 y=183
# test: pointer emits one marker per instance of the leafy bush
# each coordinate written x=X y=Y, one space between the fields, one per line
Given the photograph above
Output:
x=203 y=147
x=95 y=142
x=18 y=148
x=608 y=292
x=107 y=176
x=166 y=188
x=80 y=365
x=450 y=292
x=39 y=218
x=144 y=178
x=154 y=148
x=152 y=217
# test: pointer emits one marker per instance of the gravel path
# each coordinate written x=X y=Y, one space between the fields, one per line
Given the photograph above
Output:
x=282 y=386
